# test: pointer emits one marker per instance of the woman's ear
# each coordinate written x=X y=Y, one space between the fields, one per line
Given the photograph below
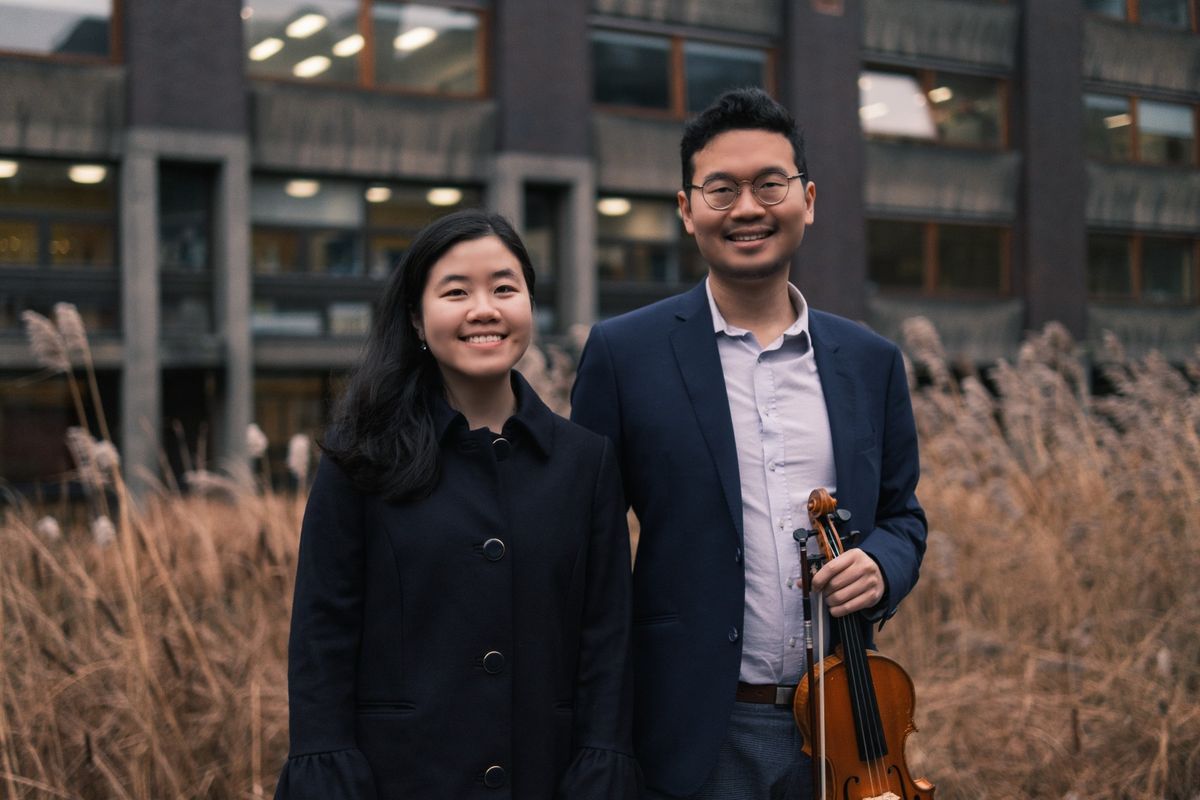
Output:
x=418 y=325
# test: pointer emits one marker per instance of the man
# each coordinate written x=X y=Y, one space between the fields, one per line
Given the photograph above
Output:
x=728 y=404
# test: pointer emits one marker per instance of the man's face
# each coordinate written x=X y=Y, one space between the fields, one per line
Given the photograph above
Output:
x=748 y=240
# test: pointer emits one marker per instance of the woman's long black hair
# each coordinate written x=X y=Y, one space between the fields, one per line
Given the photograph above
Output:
x=382 y=432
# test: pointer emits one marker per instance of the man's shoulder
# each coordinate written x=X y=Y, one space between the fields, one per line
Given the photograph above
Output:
x=652 y=319
x=831 y=328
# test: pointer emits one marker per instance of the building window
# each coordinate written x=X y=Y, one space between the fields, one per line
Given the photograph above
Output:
x=940 y=107
x=643 y=253
x=938 y=258
x=320 y=247
x=1177 y=14
x=670 y=74
x=286 y=404
x=1118 y=128
x=79 y=29
x=1146 y=269
x=415 y=47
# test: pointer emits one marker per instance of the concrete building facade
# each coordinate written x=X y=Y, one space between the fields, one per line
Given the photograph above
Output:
x=220 y=186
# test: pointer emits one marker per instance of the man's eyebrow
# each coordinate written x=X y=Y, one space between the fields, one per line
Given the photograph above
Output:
x=730 y=176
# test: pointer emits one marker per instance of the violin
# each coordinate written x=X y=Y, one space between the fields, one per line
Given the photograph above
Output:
x=855 y=705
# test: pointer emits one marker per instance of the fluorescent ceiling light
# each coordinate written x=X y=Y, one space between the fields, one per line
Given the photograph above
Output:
x=378 y=194
x=443 y=196
x=302 y=187
x=8 y=169
x=613 y=206
x=311 y=67
x=864 y=83
x=873 y=111
x=414 y=39
x=247 y=12
x=941 y=94
x=265 y=49
x=1118 y=121
x=349 y=46
x=306 y=26
x=87 y=173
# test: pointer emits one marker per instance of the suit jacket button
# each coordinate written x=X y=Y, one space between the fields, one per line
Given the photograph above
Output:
x=501 y=447
x=494 y=777
x=737 y=555
x=733 y=634
x=493 y=549
x=493 y=662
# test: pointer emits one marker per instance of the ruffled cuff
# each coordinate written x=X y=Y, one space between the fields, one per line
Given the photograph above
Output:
x=601 y=775
x=336 y=775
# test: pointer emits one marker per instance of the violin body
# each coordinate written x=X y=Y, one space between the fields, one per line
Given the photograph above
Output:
x=847 y=776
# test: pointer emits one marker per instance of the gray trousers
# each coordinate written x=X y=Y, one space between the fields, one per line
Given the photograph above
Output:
x=759 y=759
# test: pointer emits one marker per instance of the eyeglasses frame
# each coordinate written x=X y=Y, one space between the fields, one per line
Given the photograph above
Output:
x=753 y=191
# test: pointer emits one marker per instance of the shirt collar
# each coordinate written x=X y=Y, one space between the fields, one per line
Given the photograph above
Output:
x=799 y=305
x=532 y=417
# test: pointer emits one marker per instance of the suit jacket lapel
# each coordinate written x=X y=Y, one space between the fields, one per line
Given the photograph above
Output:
x=695 y=346
x=838 y=387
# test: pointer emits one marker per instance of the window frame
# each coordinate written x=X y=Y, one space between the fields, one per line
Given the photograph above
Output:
x=1133 y=16
x=1136 y=298
x=1135 y=134
x=676 y=75
x=931 y=258
x=927 y=80
x=116 y=45
x=365 y=57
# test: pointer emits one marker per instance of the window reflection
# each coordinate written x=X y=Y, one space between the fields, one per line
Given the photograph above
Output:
x=712 y=69
x=631 y=70
x=75 y=28
x=48 y=217
x=937 y=257
x=185 y=205
x=970 y=258
x=894 y=254
x=1166 y=133
x=1167 y=273
x=426 y=48
x=1170 y=13
x=1109 y=266
x=893 y=104
x=967 y=110
x=308 y=39
x=1107 y=131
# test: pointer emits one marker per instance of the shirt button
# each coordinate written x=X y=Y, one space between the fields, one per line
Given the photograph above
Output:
x=733 y=634
x=501 y=447
x=494 y=777
x=493 y=549
x=493 y=662
x=771 y=466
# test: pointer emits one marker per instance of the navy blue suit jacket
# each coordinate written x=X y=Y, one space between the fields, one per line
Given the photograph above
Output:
x=651 y=381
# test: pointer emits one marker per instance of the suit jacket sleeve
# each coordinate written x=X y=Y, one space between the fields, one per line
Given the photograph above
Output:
x=594 y=400
x=323 y=760
x=898 y=541
x=603 y=767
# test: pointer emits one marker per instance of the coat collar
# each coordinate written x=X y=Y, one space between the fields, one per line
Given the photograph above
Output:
x=532 y=418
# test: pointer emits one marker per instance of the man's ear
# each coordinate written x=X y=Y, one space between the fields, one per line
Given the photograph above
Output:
x=685 y=211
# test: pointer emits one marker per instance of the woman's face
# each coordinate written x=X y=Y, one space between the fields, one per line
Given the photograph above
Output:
x=476 y=314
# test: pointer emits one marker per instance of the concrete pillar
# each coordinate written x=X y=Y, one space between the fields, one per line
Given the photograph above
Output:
x=232 y=290
x=1052 y=230
x=821 y=62
x=140 y=390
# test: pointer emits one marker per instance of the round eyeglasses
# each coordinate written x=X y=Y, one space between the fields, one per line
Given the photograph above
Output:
x=770 y=189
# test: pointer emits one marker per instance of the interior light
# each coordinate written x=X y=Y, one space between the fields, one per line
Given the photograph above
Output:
x=1118 y=121
x=8 y=169
x=306 y=26
x=349 y=46
x=414 y=39
x=87 y=173
x=265 y=49
x=864 y=83
x=873 y=111
x=311 y=66
x=302 y=187
x=941 y=94
x=247 y=12
x=378 y=194
x=443 y=196
x=613 y=206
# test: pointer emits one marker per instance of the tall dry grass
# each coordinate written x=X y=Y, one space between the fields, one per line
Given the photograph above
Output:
x=1054 y=636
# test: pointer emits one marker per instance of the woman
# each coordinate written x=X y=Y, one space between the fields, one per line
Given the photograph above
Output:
x=461 y=620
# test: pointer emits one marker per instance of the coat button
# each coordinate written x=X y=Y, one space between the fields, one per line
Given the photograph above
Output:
x=737 y=555
x=501 y=447
x=494 y=777
x=493 y=549
x=493 y=662
x=733 y=634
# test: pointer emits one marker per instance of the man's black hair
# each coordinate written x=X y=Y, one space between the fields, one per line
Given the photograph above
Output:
x=735 y=110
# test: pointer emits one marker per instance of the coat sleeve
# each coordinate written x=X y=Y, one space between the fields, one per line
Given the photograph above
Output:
x=603 y=767
x=323 y=760
x=594 y=401
x=898 y=541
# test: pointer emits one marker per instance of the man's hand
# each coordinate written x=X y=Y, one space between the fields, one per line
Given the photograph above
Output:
x=851 y=582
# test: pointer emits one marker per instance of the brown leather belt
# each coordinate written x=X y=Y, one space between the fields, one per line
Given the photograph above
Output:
x=765 y=693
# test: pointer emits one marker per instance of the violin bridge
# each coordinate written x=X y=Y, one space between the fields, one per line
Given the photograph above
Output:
x=884 y=796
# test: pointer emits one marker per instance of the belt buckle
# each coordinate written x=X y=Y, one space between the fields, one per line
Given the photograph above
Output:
x=784 y=696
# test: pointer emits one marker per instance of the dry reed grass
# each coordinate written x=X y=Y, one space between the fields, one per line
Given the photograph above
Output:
x=1053 y=636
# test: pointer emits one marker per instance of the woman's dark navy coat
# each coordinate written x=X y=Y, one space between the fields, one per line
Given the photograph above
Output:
x=473 y=644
